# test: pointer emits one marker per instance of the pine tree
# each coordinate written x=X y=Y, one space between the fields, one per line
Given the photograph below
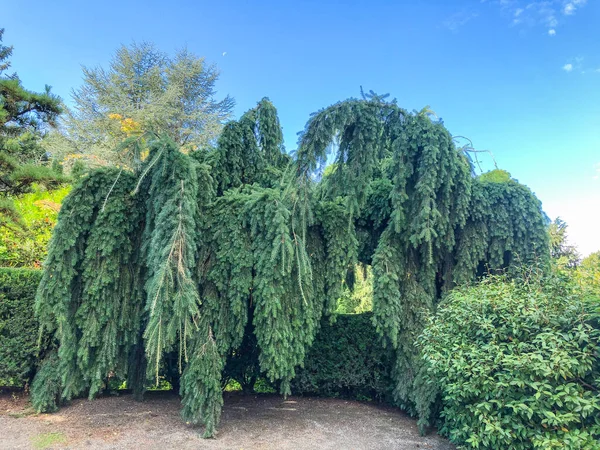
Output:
x=24 y=117
x=142 y=90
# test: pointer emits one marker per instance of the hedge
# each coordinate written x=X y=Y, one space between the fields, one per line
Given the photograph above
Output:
x=347 y=360
x=18 y=327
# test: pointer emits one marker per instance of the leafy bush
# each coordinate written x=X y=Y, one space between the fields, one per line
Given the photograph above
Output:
x=588 y=273
x=517 y=364
x=27 y=246
x=357 y=291
x=18 y=327
x=346 y=360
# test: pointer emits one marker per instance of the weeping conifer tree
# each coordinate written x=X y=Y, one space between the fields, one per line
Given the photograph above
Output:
x=180 y=260
x=425 y=224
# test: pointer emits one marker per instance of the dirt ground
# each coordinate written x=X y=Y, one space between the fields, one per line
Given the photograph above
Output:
x=248 y=422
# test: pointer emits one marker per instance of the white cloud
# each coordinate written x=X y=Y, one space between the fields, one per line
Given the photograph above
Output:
x=458 y=20
x=571 y=6
x=577 y=65
x=569 y=9
x=534 y=13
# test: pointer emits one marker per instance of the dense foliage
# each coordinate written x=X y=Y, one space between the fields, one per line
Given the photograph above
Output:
x=518 y=364
x=18 y=326
x=347 y=360
x=434 y=227
x=357 y=291
x=141 y=90
x=24 y=118
x=27 y=246
x=588 y=273
x=190 y=253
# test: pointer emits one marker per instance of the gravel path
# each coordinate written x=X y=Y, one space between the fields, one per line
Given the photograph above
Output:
x=248 y=422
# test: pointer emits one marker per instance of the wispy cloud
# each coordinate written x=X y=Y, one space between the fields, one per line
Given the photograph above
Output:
x=575 y=64
x=570 y=7
x=459 y=20
x=596 y=171
x=535 y=13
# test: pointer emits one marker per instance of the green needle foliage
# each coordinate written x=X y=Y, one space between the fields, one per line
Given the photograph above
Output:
x=89 y=292
x=25 y=116
x=172 y=302
x=201 y=393
x=424 y=222
x=197 y=254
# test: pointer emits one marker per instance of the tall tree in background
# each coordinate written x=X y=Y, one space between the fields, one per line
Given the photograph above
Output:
x=563 y=254
x=24 y=118
x=588 y=274
x=142 y=90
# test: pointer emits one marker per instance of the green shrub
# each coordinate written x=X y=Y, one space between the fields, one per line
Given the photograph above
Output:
x=346 y=360
x=588 y=274
x=27 y=246
x=517 y=365
x=357 y=298
x=18 y=327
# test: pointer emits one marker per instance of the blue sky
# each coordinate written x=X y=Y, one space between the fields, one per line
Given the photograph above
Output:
x=519 y=78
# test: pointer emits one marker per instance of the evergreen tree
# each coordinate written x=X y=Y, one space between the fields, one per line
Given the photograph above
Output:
x=434 y=225
x=563 y=254
x=142 y=90
x=24 y=117
x=245 y=239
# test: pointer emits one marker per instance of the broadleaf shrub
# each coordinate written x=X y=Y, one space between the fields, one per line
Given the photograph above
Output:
x=18 y=326
x=517 y=364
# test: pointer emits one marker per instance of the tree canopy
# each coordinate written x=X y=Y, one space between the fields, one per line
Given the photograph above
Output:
x=142 y=90
x=563 y=254
x=190 y=253
x=24 y=118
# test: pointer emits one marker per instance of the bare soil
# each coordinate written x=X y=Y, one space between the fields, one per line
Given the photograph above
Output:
x=248 y=422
